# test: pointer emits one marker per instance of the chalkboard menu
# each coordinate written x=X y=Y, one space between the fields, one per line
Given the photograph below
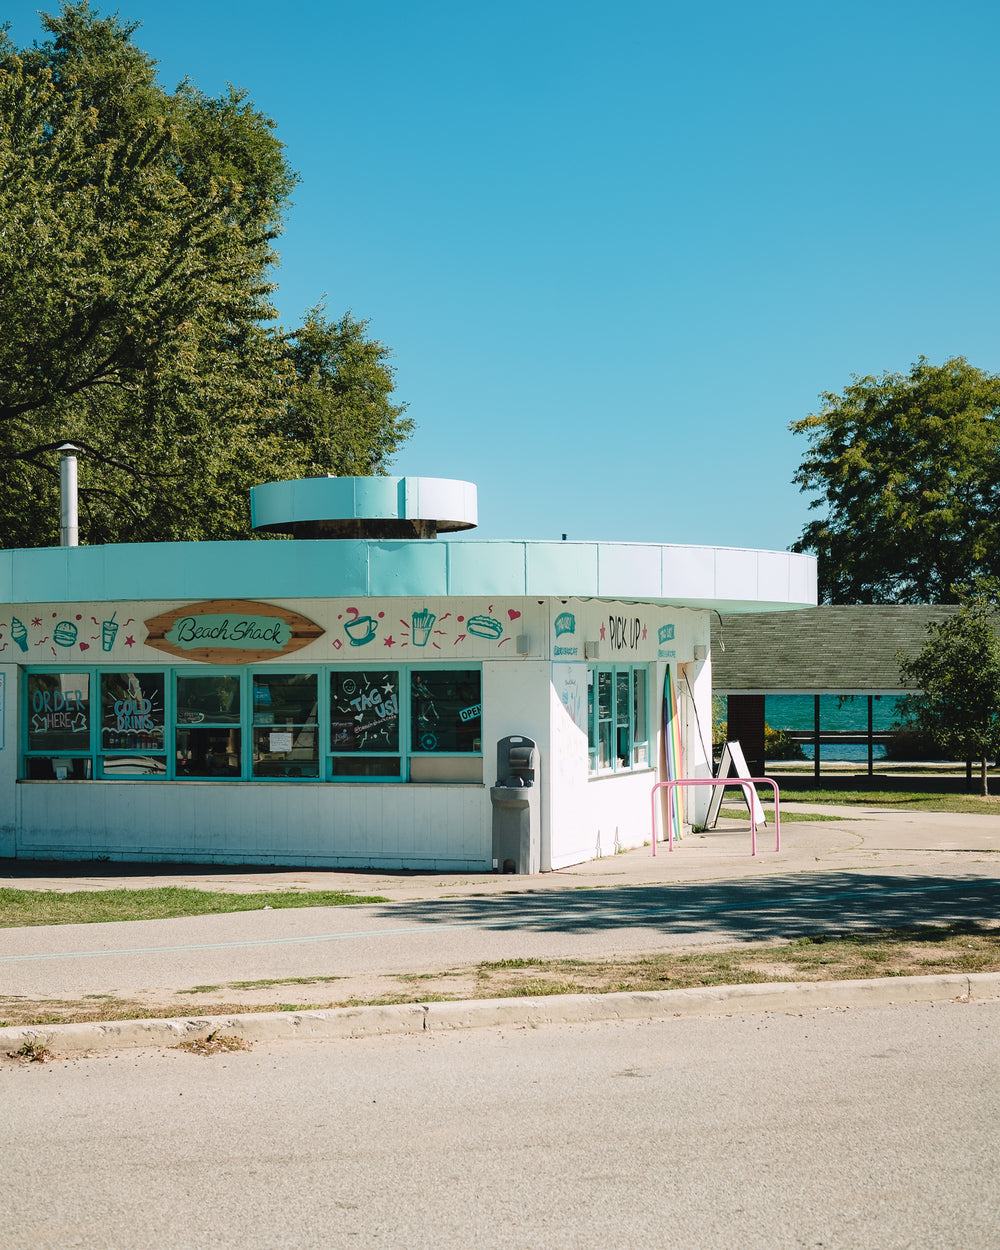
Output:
x=364 y=710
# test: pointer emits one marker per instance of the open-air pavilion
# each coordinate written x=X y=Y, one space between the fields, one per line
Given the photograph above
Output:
x=843 y=650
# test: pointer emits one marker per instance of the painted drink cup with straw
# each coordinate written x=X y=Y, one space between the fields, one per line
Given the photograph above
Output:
x=109 y=631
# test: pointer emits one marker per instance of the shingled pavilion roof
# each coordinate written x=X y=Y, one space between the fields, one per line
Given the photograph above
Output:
x=826 y=650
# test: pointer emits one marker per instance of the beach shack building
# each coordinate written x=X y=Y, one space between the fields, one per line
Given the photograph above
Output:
x=365 y=694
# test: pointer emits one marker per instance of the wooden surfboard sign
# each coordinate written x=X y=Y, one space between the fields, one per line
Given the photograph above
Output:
x=230 y=631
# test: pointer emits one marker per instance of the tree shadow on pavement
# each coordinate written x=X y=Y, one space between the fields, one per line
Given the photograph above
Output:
x=785 y=907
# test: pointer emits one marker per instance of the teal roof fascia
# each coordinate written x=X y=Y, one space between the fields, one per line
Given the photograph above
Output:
x=727 y=579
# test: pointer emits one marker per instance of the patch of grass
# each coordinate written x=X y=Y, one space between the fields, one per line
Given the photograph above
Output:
x=787 y=817
x=495 y=964
x=397 y=1000
x=540 y=987
x=960 y=947
x=905 y=800
x=409 y=977
x=263 y=983
x=23 y=908
x=266 y=981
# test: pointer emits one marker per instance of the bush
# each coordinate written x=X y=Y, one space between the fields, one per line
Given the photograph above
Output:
x=778 y=745
x=720 y=726
x=910 y=744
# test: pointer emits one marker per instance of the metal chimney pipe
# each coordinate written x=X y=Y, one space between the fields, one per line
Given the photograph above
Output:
x=69 y=527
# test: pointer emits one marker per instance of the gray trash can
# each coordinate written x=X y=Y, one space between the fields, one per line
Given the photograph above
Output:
x=516 y=807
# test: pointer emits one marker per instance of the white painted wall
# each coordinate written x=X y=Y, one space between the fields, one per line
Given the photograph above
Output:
x=516 y=701
x=608 y=812
x=570 y=840
x=440 y=827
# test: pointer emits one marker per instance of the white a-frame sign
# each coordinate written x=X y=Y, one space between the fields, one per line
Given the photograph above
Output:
x=734 y=762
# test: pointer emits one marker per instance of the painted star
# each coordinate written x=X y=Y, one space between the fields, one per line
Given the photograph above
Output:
x=603 y=633
x=36 y=620
x=130 y=641
x=388 y=641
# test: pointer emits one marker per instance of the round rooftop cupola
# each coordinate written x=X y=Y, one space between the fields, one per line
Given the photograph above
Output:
x=364 y=507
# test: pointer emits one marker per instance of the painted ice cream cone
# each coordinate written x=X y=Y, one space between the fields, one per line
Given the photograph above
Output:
x=19 y=633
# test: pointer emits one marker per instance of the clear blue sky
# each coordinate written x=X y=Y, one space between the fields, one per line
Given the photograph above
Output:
x=617 y=248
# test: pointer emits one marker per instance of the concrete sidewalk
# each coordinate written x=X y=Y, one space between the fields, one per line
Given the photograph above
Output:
x=860 y=840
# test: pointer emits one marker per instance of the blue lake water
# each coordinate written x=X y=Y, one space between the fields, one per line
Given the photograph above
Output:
x=795 y=711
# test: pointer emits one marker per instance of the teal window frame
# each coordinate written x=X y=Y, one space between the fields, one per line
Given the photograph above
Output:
x=617 y=719
x=217 y=723
x=296 y=728
x=94 y=757
x=361 y=756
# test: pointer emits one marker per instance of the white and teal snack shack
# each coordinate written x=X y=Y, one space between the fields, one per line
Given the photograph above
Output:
x=337 y=699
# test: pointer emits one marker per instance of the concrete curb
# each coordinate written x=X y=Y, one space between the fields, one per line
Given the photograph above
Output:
x=351 y=1022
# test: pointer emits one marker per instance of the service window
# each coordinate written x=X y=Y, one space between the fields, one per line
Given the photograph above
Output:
x=285 y=725
x=640 y=728
x=207 y=736
x=601 y=721
x=618 y=733
x=58 y=727
x=446 y=710
x=132 y=725
x=364 y=723
x=623 y=718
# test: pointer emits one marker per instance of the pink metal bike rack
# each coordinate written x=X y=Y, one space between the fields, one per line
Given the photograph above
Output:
x=717 y=781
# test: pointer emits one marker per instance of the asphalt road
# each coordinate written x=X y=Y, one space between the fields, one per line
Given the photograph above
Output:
x=846 y=1130
x=430 y=935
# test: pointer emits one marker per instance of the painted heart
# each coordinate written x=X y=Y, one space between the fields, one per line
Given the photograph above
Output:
x=513 y=614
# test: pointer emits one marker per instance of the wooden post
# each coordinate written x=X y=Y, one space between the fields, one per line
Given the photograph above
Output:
x=816 y=736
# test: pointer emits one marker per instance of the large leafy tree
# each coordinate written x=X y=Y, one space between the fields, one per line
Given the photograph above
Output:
x=957 y=673
x=136 y=235
x=907 y=468
x=339 y=410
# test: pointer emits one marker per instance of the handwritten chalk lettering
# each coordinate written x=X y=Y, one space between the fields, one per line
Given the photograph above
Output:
x=384 y=707
x=133 y=715
x=57 y=701
x=624 y=632
x=74 y=722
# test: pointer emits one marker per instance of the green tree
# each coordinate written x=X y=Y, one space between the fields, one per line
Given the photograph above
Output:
x=339 y=408
x=957 y=672
x=908 y=472
x=137 y=237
